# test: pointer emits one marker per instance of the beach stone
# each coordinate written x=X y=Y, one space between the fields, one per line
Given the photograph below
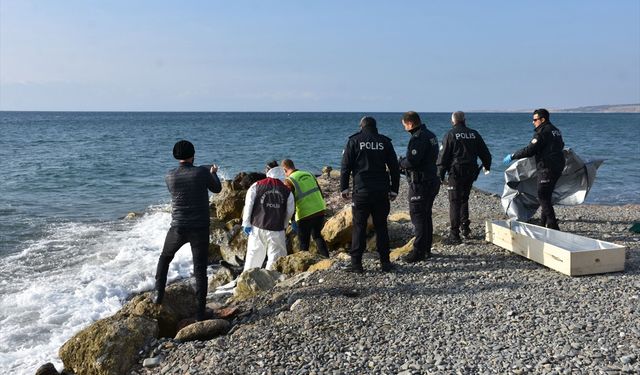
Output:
x=109 y=346
x=296 y=263
x=151 y=362
x=220 y=277
x=255 y=281
x=47 y=369
x=204 y=330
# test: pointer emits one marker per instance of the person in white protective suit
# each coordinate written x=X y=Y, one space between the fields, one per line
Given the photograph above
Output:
x=268 y=207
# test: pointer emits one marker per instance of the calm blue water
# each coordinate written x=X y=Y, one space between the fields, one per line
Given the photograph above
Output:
x=67 y=179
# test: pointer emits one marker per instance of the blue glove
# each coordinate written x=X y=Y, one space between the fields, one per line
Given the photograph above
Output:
x=247 y=230
x=294 y=227
x=507 y=159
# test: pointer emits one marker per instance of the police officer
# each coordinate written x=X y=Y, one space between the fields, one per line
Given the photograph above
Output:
x=366 y=158
x=461 y=148
x=546 y=146
x=420 y=168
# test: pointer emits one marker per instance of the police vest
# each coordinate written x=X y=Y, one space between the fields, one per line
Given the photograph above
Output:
x=270 y=206
x=307 y=194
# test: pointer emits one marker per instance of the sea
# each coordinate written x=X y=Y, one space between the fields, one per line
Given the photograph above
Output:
x=68 y=256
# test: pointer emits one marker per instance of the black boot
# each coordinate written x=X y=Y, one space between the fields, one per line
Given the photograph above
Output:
x=387 y=266
x=415 y=256
x=453 y=239
x=355 y=266
x=158 y=296
x=466 y=232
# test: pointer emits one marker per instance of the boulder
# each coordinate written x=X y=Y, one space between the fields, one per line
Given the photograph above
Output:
x=322 y=265
x=399 y=234
x=179 y=302
x=214 y=252
x=400 y=217
x=244 y=180
x=255 y=281
x=229 y=202
x=296 y=263
x=47 y=369
x=204 y=330
x=337 y=230
x=293 y=243
x=399 y=252
x=110 y=346
x=235 y=245
x=220 y=277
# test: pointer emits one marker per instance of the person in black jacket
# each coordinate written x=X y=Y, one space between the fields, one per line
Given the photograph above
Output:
x=546 y=146
x=420 y=168
x=461 y=148
x=366 y=158
x=189 y=186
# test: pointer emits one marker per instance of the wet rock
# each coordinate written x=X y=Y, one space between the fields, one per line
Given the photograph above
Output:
x=110 y=346
x=47 y=369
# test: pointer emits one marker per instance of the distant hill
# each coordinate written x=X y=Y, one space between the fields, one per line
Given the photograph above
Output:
x=617 y=108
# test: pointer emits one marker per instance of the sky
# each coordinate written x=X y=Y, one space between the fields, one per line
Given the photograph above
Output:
x=294 y=55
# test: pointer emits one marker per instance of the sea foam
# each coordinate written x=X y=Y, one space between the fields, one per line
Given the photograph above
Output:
x=75 y=275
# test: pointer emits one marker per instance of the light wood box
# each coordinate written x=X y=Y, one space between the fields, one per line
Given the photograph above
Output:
x=564 y=252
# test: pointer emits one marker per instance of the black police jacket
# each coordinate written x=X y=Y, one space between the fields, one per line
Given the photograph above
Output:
x=366 y=158
x=546 y=146
x=189 y=186
x=422 y=152
x=461 y=148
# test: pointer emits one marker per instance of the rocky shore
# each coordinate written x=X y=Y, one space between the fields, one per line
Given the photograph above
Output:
x=473 y=308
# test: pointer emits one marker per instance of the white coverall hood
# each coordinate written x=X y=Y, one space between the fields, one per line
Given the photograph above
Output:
x=277 y=172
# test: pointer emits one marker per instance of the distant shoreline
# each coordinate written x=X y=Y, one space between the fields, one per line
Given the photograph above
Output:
x=614 y=108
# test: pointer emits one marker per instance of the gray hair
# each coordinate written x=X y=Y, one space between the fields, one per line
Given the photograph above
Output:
x=457 y=117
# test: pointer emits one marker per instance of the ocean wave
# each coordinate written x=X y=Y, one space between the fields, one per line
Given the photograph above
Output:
x=76 y=274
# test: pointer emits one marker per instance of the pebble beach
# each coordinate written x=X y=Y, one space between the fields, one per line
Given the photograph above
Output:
x=473 y=308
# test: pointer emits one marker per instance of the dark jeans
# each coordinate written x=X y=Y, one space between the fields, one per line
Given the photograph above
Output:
x=547 y=180
x=199 y=240
x=459 y=189
x=377 y=206
x=308 y=227
x=421 y=197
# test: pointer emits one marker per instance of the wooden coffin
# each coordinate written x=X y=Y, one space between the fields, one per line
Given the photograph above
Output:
x=568 y=253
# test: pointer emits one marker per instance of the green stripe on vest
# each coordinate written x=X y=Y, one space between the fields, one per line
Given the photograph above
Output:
x=307 y=194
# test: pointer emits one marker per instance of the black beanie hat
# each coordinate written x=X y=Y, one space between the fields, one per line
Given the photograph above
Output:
x=183 y=150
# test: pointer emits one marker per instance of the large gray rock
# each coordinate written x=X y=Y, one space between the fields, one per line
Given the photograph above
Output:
x=255 y=281
x=110 y=346
x=204 y=330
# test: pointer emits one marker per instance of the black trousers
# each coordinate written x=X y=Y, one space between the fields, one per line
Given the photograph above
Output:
x=459 y=189
x=199 y=240
x=421 y=197
x=312 y=227
x=377 y=206
x=547 y=180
